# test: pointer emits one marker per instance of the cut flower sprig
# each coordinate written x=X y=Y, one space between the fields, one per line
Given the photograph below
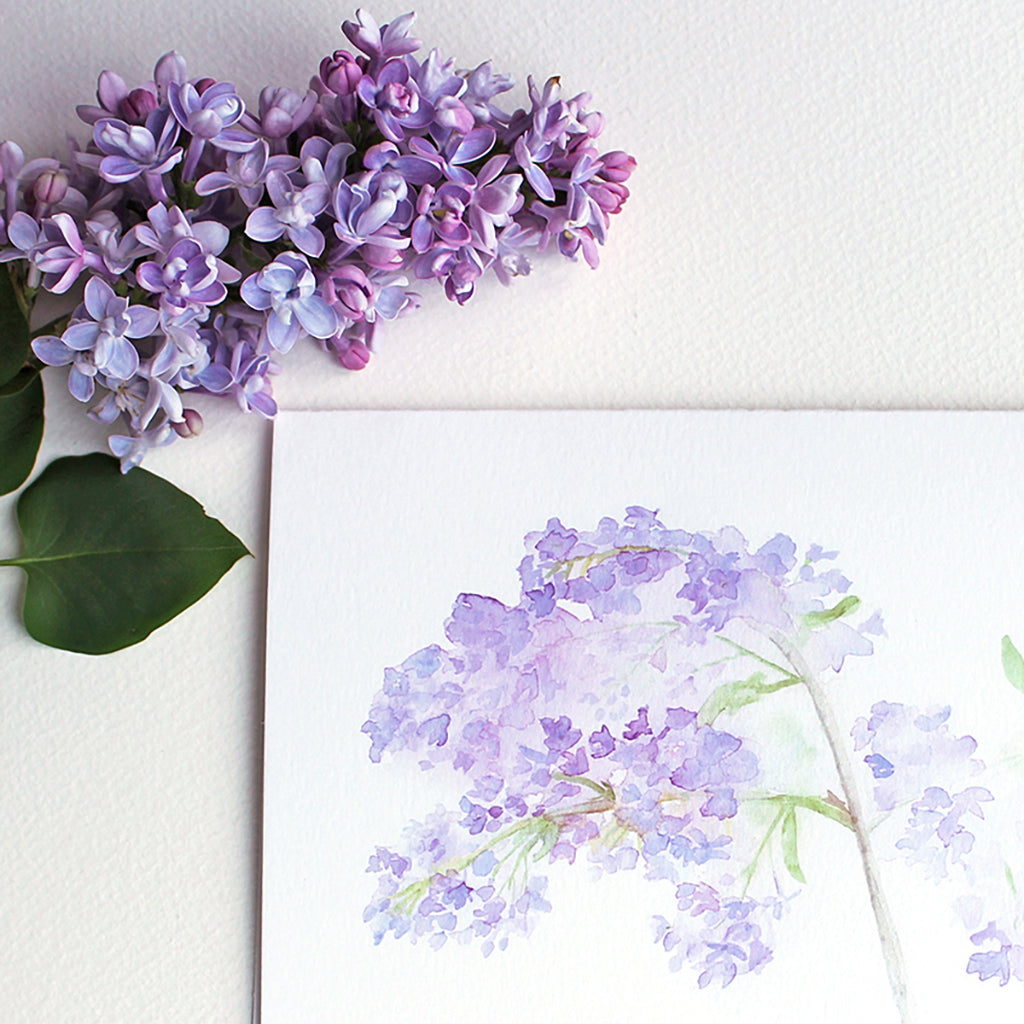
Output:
x=204 y=238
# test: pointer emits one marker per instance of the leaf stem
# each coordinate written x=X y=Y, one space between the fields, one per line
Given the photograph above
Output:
x=891 y=952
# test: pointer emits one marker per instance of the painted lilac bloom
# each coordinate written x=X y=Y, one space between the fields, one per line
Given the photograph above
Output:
x=99 y=339
x=393 y=98
x=208 y=117
x=293 y=214
x=287 y=288
x=132 y=151
x=188 y=277
x=247 y=173
x=323 y=162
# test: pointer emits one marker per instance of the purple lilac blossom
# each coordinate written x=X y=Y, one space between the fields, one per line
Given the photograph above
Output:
x=388 y=167
x=577 y=720
x=936 y=816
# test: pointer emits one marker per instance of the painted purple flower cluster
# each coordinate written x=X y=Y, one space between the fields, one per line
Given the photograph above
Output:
x=926 y=782
x=586 y=722
x=228 y=233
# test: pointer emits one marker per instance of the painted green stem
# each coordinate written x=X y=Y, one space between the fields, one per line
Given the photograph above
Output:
x=891 y=952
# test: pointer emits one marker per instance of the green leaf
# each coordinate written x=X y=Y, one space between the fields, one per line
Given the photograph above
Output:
x=21 y=428
x=14 y=331
x=730 y=697
x=1013 y=664
x=789 y=854
x=111 y=557
x=847 y=605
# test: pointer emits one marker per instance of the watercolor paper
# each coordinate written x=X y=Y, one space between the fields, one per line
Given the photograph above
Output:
x=607 y=714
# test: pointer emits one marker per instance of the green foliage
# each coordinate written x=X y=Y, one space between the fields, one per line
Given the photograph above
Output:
x=14 y=331
x=111 y=557
x=789 y=850
x=844 y=607
x=730 y=697
x=1013 y=664
x=21 y=427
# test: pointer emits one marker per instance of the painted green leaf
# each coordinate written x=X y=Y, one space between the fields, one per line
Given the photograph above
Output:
x=1013 y=664
x=111 y=557
x=844 y=607
x=14 y=332
x=730 y=697
x=789 y=852
x=21 y=428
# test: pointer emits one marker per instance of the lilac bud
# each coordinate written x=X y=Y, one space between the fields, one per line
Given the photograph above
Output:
x=170 y=68
x=617 y=166
x=138 y=105
x=191 y=424
x=51 y=187
x=355 y=357
x=203 y=84
x=340 y=73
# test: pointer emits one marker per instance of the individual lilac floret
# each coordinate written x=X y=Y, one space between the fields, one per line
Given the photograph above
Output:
x=188 y=277
x=393 y=98
x=133 y=151
x=293 y=214
x=281 y=112
x=208 y=117
x=247 y=173
x=287 y=288
x=381 y=42
x=99 y=339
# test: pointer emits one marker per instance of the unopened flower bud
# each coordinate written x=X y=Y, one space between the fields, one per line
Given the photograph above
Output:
x=170 y=68
x=340 y=73
x=50 y=187
x=138 y=105
x=191 y=424
x=203 y=84
x=617 y=166
x=355 y=357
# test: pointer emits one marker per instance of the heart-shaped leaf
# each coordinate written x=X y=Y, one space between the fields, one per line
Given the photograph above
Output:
x=14 y=332
x=112 y=556
x=21 y=428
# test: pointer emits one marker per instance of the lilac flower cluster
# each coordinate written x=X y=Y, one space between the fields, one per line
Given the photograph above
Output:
x=936 y=817
x=583 y=720
x=211 y=237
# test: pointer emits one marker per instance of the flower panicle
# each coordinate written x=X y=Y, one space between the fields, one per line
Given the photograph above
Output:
x=390 y=168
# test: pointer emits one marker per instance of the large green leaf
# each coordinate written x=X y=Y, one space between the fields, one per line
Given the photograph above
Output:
x=14 y=332
x=111 y=557
x=21 y=428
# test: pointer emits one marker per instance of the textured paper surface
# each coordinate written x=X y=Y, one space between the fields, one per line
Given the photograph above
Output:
x=924 y=510
x=826 y=212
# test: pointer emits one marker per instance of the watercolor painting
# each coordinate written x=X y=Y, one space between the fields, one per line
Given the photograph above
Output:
x=751 y=747
x=612 y=717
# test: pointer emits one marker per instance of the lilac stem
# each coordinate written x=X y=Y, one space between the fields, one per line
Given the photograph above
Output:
x=891 y=952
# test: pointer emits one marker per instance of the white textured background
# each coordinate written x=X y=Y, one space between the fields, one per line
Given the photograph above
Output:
x=827 y=212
